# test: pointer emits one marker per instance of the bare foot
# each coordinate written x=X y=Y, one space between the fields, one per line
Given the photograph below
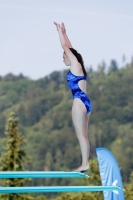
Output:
x=83 y=168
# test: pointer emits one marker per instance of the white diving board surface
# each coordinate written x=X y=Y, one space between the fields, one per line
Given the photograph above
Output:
x=42 y=174
x=57 y=189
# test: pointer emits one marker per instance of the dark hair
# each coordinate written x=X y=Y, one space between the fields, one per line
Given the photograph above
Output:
x=80 y=59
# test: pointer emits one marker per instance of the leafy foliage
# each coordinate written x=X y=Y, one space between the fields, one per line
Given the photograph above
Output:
x=129 y=189
x=44 y=110
x=13 y=160
x=93 y=180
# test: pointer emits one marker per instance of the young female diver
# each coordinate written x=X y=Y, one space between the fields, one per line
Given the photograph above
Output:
x=81 y=107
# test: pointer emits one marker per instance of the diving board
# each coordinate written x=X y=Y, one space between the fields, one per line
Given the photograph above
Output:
x=42 y=174
x=57 y=189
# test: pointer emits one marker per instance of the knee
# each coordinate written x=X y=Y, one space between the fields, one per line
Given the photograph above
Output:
x=81 y=136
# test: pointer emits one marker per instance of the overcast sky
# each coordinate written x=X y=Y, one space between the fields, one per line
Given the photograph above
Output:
x=29 y=43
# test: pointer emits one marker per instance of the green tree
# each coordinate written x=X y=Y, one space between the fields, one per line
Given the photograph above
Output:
x=129 y=189
x=12 y=159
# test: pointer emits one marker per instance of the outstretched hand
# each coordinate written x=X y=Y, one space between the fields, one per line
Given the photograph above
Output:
x=57 y=26
x=61 y=27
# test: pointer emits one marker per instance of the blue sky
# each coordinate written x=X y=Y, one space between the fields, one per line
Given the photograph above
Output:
x=100 y=30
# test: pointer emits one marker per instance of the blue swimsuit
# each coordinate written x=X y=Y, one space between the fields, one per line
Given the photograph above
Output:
x=77 y=92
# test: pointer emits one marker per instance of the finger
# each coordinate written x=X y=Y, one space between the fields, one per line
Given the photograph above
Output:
x=63 y=25
x=55 y=23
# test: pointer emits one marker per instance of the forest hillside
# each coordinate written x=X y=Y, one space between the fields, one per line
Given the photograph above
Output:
x=43 y=107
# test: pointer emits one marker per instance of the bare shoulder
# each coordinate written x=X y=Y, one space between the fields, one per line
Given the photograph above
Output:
x=75 y=66
x=70 y=55
x=76 y=69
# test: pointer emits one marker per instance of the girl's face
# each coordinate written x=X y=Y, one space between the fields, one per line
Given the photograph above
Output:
x=66 y=60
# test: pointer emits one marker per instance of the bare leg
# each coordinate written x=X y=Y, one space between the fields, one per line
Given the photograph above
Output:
x=80 y=121
x=87 y=122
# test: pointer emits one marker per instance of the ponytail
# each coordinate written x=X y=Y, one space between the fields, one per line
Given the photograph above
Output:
x=80 y=60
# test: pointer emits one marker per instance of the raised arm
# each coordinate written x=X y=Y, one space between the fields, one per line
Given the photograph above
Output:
x=65 y=35
x=61 y=35
x=65 y=43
